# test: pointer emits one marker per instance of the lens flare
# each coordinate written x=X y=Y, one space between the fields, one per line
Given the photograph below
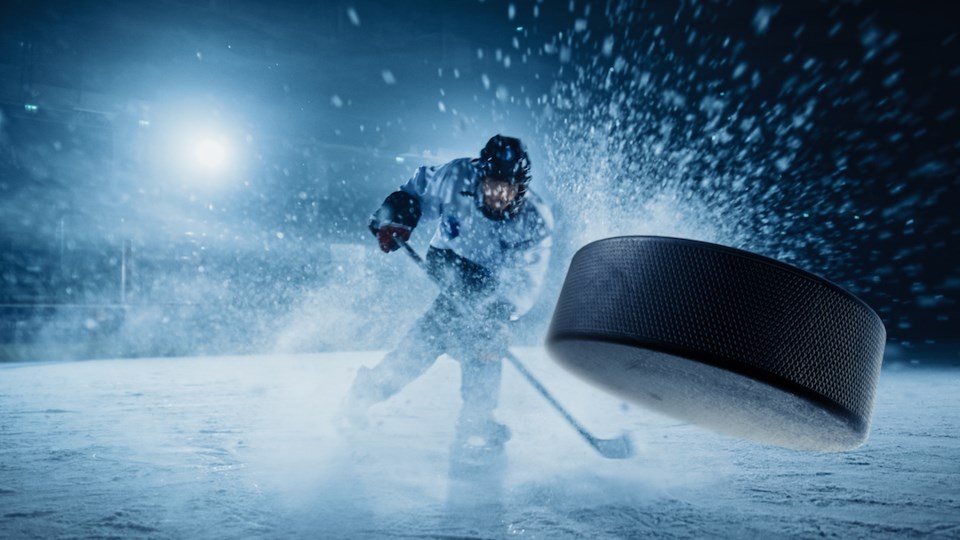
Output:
x=210 y=154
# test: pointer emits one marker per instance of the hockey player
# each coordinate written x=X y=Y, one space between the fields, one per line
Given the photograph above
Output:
x=489 y=255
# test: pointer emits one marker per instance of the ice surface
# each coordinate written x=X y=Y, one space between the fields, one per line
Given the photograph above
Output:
x=242 y=447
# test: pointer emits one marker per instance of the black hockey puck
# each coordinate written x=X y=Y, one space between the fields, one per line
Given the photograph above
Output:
x=723 y=338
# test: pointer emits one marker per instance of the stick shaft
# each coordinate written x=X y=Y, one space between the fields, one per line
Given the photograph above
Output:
x=542 y=390
x=410 y=251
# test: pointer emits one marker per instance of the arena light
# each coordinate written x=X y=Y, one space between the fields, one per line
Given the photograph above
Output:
x=210 y=153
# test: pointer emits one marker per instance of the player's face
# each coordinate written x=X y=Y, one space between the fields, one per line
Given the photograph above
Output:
x=498 y=195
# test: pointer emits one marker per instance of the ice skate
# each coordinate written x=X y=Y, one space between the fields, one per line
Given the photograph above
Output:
x=482 y=435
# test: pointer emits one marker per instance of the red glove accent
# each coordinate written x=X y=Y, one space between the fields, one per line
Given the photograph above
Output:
x=385 y=236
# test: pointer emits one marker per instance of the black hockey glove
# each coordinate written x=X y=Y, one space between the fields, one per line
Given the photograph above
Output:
x=396 y=217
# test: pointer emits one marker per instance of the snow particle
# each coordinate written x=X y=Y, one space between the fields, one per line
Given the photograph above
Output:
x=354 y=18
x=388 y=77
x=739 y=70
x=782 y=165
x=608 y=45
x=892 y=79
x=336 y=101
x=835 y=29
x=761 y=20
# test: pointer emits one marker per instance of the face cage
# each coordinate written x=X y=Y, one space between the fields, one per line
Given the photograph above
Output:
x=512 y=209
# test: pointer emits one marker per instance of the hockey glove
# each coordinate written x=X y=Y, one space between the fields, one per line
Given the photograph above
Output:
x=386 y=233
x=396 y=217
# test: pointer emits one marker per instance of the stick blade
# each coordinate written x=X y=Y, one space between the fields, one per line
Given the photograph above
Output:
x=619 y=448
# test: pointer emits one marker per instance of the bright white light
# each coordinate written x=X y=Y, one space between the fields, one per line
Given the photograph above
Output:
x=210 y=153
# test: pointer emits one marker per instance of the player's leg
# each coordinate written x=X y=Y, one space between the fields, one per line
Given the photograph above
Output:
x=480 y=392
x=415 y=353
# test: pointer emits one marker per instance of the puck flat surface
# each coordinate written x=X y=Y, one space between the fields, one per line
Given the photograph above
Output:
x=722 y=338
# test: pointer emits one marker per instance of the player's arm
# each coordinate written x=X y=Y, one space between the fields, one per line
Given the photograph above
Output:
x=402 y=210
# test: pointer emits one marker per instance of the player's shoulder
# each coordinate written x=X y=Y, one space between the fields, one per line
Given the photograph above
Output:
x=458 y=173
x=537 y=210
x=460 y=167
x=535 y=219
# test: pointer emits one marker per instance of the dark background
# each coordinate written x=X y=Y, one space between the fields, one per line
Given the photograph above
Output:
x=821 y=133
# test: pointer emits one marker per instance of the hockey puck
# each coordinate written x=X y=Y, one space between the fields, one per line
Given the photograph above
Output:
x=723 y=338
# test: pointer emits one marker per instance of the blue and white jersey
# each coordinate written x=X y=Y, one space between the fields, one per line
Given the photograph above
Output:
x=516 y=249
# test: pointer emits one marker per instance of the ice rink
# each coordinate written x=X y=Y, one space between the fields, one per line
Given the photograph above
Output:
x=243 y=447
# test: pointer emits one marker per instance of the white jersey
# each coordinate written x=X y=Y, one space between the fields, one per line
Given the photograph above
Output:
x=516 y=249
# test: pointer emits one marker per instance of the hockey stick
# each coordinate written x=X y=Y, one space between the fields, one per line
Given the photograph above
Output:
x=619 y=448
